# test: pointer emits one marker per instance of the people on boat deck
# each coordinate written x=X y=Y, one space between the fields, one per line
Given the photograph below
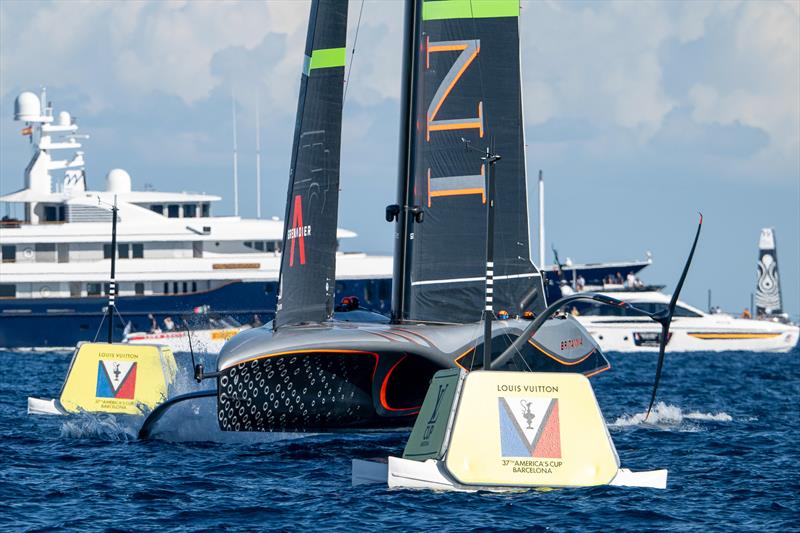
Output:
x=580 y=283
x=169 y=325
x=566 y=290
x=618 y=279
x=256 y=321
x=153 y=324
x=746 y=313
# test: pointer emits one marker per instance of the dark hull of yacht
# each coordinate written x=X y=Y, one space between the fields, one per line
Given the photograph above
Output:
x=63 y=322
x=346 y=375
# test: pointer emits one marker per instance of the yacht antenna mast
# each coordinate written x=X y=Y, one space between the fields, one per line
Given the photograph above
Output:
x=235 y=160
x=490 y=158
x=541 y=220
x=258 y=161
x=112 y=285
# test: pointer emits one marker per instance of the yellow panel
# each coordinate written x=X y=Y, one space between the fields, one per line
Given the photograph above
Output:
x=530 y=429
x=117 y=378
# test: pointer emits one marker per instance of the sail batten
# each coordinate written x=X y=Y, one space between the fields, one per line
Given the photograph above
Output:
x=308 y=261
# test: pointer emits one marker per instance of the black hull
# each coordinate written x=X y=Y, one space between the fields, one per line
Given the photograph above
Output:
x=322 y=391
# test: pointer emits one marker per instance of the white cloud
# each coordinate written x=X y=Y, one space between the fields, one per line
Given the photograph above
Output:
x=595 y=63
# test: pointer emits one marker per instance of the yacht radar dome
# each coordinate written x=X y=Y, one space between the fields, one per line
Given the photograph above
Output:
x=64 y=119
x=27 y=107
x=118 y=181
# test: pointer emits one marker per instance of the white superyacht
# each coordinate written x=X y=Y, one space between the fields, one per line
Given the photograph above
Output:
x=173 y=255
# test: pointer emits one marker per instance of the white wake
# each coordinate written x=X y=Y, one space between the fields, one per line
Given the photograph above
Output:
x=669 y=417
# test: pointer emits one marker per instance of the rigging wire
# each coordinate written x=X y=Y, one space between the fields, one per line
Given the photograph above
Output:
x=352 y=54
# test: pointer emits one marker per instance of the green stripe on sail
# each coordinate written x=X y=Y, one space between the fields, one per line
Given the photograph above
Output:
x=468 y=9
x=326 y=58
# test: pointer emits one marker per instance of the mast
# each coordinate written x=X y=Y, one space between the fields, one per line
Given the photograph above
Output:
x=112 y=286
x=258 y=161
x=488 y=314
x=541 y=220
x=405 y=185
x=235 y=160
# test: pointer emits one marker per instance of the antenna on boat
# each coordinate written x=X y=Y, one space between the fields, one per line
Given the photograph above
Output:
x=235 y=159
x=258 y=160
x=541 y=220
x=112 y=285
x=198 y=369
x=489 y=159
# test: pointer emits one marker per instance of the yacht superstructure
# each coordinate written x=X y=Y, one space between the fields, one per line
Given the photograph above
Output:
x=172 y=254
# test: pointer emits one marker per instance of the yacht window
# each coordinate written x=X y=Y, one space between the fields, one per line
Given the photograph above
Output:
x=270 y=246
x=369 y=291
x=175 y=287
x=106 y=251
x=106 y=288
x=75 y=289
x=384 y=289
x=138 y=251
x=8 y=290
x=53 y=213
x=173 y=211
x=189 y=210
x=9 y=254
x=194 y=286
x=166 y=287
x=682 y=311
x=45 y=252
x=93 y=289
x=123 y=251
x=259 y=246
x=597 y=309
x=248 y=244
x=185 y=287
x=157 y=208
x=138 y=288
x=206 y=210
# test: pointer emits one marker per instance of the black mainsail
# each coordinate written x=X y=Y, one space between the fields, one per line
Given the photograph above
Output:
x=308 y=261
x=465 y=88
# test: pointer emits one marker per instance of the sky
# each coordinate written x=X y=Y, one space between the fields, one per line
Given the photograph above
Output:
x=640 y=114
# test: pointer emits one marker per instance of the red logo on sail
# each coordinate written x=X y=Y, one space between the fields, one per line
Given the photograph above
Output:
x=298 y=232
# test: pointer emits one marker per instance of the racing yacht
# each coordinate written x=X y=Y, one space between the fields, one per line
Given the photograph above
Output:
x=464 y=286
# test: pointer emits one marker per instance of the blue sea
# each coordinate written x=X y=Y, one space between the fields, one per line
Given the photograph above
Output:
x=726 y=427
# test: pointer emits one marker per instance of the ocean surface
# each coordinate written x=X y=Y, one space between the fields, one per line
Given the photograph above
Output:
x=727 y=428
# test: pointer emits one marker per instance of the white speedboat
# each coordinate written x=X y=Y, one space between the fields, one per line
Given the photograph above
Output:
x=622 y=330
